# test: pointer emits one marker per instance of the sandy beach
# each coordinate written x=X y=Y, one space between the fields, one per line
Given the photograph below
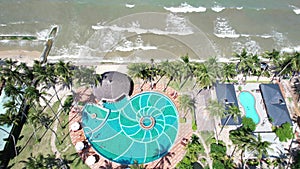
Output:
x=29 y=57
x=21 y=55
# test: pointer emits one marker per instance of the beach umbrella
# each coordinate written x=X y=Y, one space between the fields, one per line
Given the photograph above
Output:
x=79 y=146
x=90 y=160
x=75 y=126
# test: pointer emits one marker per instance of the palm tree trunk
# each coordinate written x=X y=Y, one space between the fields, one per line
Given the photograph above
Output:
x=217 y=136
x=199 y=91
x=57 y=95
x=55 y=114
x=13 y=138
x=184 y=82
x=233 y=151
x=159 y=79
x=283 y=69
x=242 y=160
x=141 y=87
x=171 y=78
x=225 y=124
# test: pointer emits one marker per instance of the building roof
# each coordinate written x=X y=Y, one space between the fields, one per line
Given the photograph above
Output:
x=226 y=94
x=275 y=104
x=113 y=85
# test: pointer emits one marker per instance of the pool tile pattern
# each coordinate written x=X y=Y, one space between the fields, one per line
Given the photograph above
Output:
x=169 y=161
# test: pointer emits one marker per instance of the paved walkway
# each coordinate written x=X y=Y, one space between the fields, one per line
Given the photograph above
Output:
x=169 y=161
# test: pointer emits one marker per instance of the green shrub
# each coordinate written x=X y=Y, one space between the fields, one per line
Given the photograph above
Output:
x=194 y=125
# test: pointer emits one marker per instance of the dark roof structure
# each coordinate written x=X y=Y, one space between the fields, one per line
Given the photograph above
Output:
x=113 y=85
x=275 y=104
x=226 y=94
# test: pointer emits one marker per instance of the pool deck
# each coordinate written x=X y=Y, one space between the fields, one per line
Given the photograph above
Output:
x=253 y=88
x=264 y=126
x=169 y=161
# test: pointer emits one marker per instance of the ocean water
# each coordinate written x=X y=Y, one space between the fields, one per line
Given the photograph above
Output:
x=137 y=30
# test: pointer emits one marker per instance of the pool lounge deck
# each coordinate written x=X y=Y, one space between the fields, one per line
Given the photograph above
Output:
x=175 y=154
x=253 y=88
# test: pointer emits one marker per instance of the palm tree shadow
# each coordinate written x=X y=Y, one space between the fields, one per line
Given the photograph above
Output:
x=165 y=156
x=107 y=165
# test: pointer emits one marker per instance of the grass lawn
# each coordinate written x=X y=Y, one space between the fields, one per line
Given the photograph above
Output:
x=29 y=144
x=65 y=146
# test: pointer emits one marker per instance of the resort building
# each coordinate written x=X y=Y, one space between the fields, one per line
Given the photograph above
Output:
x=226 y=95
x=275 y=104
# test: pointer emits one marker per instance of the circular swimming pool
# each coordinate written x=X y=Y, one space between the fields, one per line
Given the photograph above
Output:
x=142 y=128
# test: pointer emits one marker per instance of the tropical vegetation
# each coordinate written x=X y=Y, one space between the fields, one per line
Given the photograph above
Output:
x=34 y=108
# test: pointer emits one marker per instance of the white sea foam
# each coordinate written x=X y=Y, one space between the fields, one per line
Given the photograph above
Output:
x=5 y=41
x=295 y=9
x=17 y=23
x=239 y=8
x=185 y=8
x=245 y=35
x=171 y=28
x=287 y=50
x=130 y=5
x=3 y=24
x=138 y=44
x=218 y=8
x=222 y=29
x=290 y=49
x=42 y=35
x=251 y=47
x=177 y=24
x=265 y=36
x=260 y=9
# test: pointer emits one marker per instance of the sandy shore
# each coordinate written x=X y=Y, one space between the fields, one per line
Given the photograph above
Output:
x=21 y=55
x=29 y=57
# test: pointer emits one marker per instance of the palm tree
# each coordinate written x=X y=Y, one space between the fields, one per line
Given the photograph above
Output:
x=171 y=70
x=204 y=78
x=262 y=147
x=234 y=113
x=194 y=148
x=45 y=162
x=293 y=64
x=228 y=71
x=186 y=70
x=214 y=66
x=216 y=110
x=246 y=63
x=64 y=73
x=13 y=92
x=33 y=95
x=186 y=104
x=140 y=71
x=11 y=115
x=243 y=141
x=9 y=73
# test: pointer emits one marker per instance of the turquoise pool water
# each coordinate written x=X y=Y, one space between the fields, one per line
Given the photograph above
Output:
x=248 y=102
x=142 y=128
